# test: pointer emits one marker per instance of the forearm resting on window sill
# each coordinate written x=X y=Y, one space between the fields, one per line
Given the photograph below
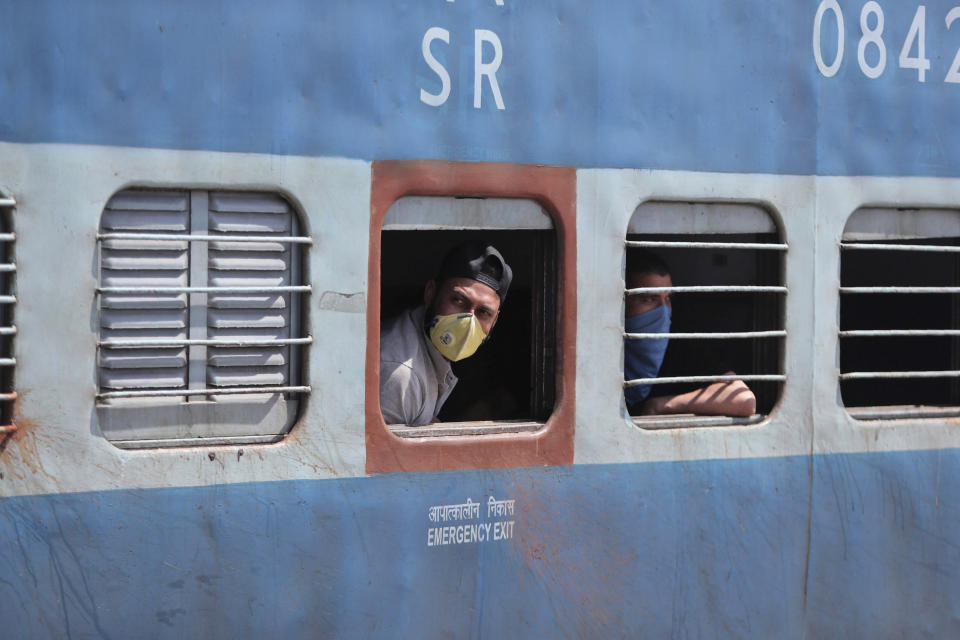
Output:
x=729 y=398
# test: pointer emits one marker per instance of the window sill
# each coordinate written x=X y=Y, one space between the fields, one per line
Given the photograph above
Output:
x=479 y=428
x=902 y=412
x=172 y=443
x=689 y=420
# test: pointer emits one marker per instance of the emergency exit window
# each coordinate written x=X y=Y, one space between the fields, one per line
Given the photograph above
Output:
x=508 y=384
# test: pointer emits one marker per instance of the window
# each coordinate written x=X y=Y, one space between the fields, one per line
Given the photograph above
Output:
x=201 y=327
x=508 y=385
x=900 y=313
x=726 y=265
x=540 y=430
x=8 y=328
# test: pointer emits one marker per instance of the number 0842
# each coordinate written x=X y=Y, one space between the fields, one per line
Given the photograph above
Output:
x=872 y=50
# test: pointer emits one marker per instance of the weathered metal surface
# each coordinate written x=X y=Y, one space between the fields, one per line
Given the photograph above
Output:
x=732 y=87
x=619 y=550
x=808 y=522
x=709 y=549
x=56 y=329
x=883 y=546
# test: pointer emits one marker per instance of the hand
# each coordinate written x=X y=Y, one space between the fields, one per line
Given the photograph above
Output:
x=655 y=406
x=726 y=398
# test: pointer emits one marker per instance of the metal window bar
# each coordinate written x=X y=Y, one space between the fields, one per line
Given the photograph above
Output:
x=8 y=237
x=198 y=272
x=880 y=375
x=119 y=344
x=709 y=289
x=225 y=391
x=731 y=335
x=8 y=202
x=182 y=237
x=669 y=244
x=899 y=289
x=860 y=333
x=274 y=289
x=900 y=247
x=757 y=377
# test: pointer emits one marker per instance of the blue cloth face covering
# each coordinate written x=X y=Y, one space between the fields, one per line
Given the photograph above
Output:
x=642 y=358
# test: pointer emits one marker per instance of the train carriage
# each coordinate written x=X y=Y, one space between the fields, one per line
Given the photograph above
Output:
x=208 y=210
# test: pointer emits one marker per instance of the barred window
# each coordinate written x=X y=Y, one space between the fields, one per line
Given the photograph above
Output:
x=725 y=263
x=900 y=313
x=8 y=328
x=201 y=328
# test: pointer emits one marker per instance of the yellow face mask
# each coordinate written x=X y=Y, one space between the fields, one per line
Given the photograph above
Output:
x=456 y=336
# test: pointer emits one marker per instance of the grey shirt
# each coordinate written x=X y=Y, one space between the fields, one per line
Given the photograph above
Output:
x=415 y=379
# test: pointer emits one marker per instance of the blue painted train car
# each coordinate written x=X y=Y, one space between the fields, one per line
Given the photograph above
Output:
x=209 y=207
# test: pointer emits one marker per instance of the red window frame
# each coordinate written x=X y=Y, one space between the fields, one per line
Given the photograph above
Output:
x=554 y=188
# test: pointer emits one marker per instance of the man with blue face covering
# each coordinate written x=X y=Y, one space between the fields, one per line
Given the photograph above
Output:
x=650 y=313
x=460 y=308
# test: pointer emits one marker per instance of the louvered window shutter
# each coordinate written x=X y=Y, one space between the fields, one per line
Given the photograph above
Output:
x=144 y=316
x=250 y=316
x=200 y=337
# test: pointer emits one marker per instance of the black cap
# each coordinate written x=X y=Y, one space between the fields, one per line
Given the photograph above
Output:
x=478 y=261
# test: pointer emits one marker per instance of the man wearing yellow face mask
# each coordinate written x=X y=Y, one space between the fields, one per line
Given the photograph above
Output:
x=460 y=309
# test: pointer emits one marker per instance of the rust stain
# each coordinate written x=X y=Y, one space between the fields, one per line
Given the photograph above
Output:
x=292 y=446
x=26 y=442
x=23 y=459
x=108 y=470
